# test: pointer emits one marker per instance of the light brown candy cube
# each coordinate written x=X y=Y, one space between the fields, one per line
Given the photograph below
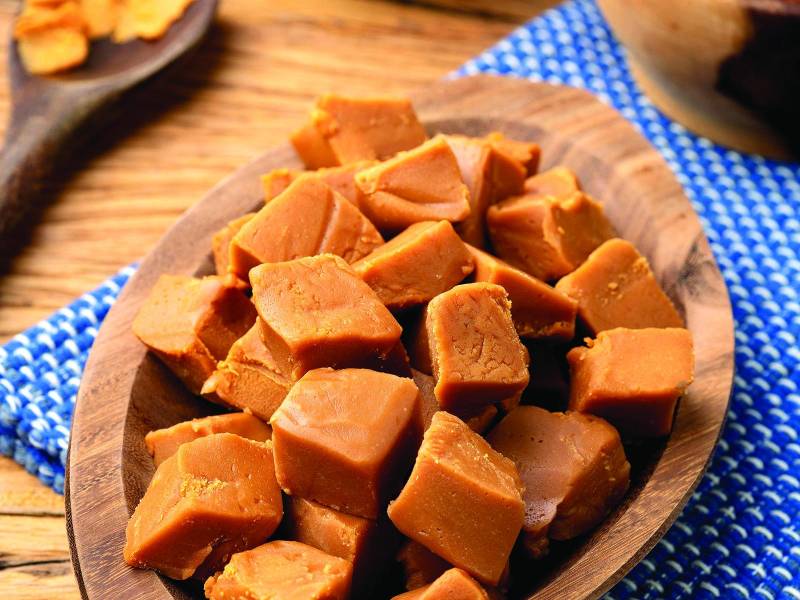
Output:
x=343 y=130
x=347 y=438
x=282 y=570
x=573 y=467
x=476 y=354
x=463 y=500
x=306 y=219
x=191 y=323
x=633 y=378
x=423 y=184
x=547 y=237
x=317 y=312
x=217 y=491
x=616 y=288
x=423 y=261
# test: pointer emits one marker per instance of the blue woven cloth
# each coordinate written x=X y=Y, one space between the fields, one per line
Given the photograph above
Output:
x=739 y=536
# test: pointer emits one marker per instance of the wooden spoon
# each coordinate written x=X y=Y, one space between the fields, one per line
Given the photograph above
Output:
x=47 y=112
x=126 y=391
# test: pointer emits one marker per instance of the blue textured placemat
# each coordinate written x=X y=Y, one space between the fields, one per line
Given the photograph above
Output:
x=739 y=537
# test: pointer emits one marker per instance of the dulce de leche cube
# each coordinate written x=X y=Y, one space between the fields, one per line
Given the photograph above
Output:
x=476 y=354
x=163 y=443
x=317 y=312
x=453 y=584
x=347 y=438
x=547 y=237
x=463 y=500
x=249 y=378
x=538 y=310
x=490 y=175
x=342 y=130
x=616 y=288
x=282 y=570
x=308 y=218
x=423 y=184
x=573 y=467
x=423 y=261
x=363 y=542
x=219 y=490
x=191 y=323
x=632 y=378
x=559 y=182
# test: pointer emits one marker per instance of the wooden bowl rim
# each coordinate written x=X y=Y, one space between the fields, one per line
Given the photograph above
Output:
x=444 y=103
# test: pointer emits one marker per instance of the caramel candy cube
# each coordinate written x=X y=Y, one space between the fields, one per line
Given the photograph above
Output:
x=347 y=438
x=420 y=566
x=476 y=354
x=219 y=489
x=316 y=312
x=573 y=467
x=478 y=422
x=345 y=130
x=425 y=260
x=282 y=570
x=616 y=288
x=559 y=182
x=250 y=378
x=221 y=243
x=307 y=219
x=451 y=585
x=423 y=184
x=490 y=176
x=163 y=443
x=191 y=323
x=547 y=237
x=463 y=500
x=538 y=310
x=363 y=542
x=276 y=181
x=633 y=378
x=526 y=154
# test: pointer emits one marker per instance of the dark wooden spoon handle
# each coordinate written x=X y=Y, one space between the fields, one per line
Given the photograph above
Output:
x=39 y=129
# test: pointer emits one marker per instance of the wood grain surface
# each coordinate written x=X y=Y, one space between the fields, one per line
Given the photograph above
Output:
x=250 y=83
x=126 y=391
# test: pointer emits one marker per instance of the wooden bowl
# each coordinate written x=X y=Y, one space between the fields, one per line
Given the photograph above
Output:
x=126 y=391
x=727 y=69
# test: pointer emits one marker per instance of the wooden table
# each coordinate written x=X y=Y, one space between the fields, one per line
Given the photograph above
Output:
x=245 y=90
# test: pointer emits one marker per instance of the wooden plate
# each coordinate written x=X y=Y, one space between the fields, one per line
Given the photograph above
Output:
x=126 y=391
